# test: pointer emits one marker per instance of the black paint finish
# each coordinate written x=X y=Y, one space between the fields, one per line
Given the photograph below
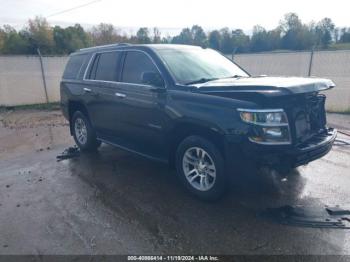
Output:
x=151 y=120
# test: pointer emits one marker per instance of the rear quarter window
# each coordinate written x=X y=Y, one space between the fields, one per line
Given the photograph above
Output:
x=73 y=66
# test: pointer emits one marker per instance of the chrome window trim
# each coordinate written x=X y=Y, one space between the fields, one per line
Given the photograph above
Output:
x=92 y=58
x=260 y=110
x=116 y=82
x=81 y=67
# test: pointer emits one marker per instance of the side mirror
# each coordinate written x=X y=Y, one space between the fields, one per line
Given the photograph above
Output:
x=153 y=79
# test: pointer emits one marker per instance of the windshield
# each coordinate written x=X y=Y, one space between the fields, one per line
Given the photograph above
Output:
x=192 y=65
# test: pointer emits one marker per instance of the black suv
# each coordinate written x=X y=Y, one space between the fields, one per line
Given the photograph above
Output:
x=193 y=108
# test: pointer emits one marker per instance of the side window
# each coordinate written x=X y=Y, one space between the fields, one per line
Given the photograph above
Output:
x=135 y=66
x=73 y=66
x=93 y=68
x=105 y=67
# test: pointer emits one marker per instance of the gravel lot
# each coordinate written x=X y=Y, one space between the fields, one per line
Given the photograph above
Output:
x=113 y=202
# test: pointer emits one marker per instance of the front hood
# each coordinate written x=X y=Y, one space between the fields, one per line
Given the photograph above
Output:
x=266 y=86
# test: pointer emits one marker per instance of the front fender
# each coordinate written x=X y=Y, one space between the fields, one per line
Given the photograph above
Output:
x=216 y=113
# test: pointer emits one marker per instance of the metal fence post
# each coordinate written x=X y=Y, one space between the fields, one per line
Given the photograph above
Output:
x=310 y=63
x=43 y=75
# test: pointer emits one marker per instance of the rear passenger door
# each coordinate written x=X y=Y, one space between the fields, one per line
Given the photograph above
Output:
x=142 y=105
x=102 y=77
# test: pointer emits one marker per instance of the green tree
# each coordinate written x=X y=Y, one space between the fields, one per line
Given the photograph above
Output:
x=166 y=40
x=193 y=36
x=226 y=41
x=259 y=39
x=263 y=40
x=70 y=39
x=156 y=36
x=274 y=39
x=143 y=36
x=185 y=37
x=214 y=39
x=240 y=41
x=14 y=42
x=40 y=35
x=296 y=36
x=2 y=40
x=345 y=35
x=104 y=34
x=324 y=32
x=198 y=36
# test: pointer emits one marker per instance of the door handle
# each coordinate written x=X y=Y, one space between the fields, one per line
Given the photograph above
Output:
x=120 y=95
x=88 y=90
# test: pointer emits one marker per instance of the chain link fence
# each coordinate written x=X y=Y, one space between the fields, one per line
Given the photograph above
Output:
x=23 y=81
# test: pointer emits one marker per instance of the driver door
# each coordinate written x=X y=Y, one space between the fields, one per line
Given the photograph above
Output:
x=141 y=104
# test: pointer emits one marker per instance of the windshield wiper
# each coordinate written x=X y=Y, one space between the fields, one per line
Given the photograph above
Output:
x=201 y=80
x=234 y=76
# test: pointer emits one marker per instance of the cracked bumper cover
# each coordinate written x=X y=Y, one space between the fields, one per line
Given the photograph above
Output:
x=288 y=155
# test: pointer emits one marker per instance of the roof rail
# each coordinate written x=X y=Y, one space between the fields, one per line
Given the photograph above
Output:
x=123 y=44
x=102 y=46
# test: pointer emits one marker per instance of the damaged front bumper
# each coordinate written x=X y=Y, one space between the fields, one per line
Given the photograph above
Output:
x=289 y=156
x=314 y=148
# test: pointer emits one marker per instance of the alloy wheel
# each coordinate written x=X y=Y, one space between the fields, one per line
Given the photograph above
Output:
x=199 y=168
x=80 y=131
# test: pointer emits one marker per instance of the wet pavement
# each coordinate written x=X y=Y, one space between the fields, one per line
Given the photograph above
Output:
x=113 y=202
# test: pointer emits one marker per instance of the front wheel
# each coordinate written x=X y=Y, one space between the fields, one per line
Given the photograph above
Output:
x=83 y=133
x=200 y=166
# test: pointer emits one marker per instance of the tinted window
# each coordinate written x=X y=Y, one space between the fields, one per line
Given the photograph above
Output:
x=93 y=68
x=105 y=66
x=137 y=63
x=73 y=66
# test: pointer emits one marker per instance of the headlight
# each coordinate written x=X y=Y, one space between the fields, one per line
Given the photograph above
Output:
x=270 y=126
x=263 y=117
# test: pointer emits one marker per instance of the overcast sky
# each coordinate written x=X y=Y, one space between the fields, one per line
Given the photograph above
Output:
x=167 y=14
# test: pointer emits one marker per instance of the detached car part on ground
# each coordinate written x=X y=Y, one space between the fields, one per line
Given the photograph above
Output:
x=194 y=109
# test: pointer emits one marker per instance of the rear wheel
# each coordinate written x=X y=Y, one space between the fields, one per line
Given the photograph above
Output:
x=83 y=133
x=200 y=166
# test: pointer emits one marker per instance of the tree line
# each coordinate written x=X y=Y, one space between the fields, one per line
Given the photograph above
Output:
x=290 y=34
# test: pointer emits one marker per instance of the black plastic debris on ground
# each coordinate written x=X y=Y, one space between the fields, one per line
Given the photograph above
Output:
x=68 y=153
x=314 y=217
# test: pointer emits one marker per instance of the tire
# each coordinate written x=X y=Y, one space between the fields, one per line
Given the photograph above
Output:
x=83 y=133
x=204 y=165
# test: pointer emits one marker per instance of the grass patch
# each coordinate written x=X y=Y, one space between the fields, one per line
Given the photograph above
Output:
x=339 y=46
x=49 y=106
x=344 y=112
